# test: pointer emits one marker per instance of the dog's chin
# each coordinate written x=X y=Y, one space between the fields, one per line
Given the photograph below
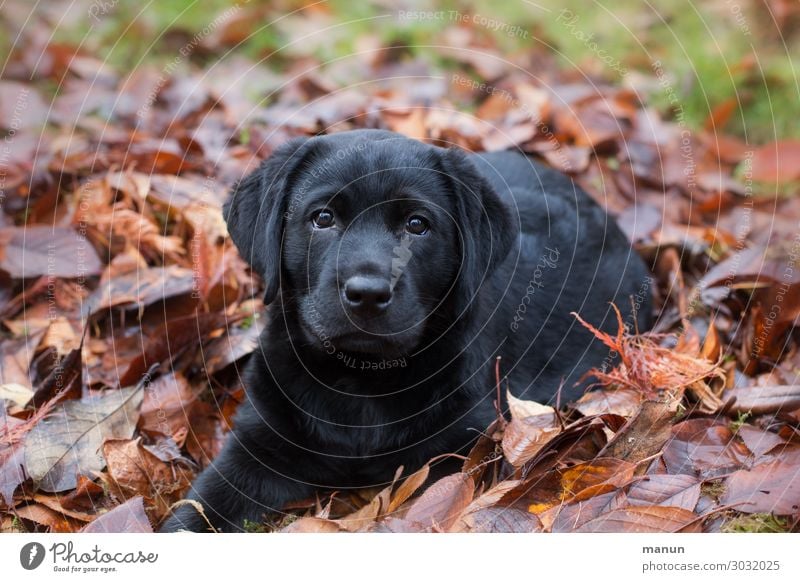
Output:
x=363 y=343
x=371 y=346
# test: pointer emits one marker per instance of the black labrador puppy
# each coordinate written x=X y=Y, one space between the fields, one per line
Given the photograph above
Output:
x=398 y=272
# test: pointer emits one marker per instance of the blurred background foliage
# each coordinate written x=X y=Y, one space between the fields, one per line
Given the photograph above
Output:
x=730 y=61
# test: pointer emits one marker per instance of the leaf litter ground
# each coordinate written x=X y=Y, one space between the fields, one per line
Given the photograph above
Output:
x=127 y=314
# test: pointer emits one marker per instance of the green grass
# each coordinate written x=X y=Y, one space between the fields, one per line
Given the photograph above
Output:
x=255 y=527
x=739 y=422
x=713 y=489
x=755 y=523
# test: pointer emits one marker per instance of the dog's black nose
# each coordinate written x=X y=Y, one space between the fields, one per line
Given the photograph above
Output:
x=367 y=294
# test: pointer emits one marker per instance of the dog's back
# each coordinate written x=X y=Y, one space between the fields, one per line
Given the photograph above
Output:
x=571 y=257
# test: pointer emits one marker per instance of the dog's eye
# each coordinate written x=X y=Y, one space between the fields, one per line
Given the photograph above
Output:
x=323 y=219
x=417 y=225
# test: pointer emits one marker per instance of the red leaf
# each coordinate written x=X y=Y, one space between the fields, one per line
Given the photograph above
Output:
x=777 y=162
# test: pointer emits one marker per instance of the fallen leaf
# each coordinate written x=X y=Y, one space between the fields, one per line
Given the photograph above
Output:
x=170 y=340
x=623 y=402
x=763 y=399
x=759 y=441
x=312 y=525
x=769 y=487
x=442 y=503
x=568 y=517
x=55 y=521
x=408 y=487
x=523 y=440
x=644 y=519
x=524 y=409
x=134 y=470
x=16 y=393
x=582 y=481
x=776 y=162
x=129 y=517
x=12 y=474
x=141 y=288
x=704 y=447
x=67 y=443
x=668 y=490
x=167 y=405
x=645 y=432
x=35 y=251
x=499 y=520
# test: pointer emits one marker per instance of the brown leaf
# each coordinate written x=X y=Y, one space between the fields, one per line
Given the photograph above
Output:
x=312 y=525
x=377 y=506
x=759 y=441
x=703 y=447
x=64 y=382
x=763 y=399
x=84 y=497
x=442 y=502
x=599 y=476
x=170 y=340
x=408 y=487
x=55 y=521
x=16 y=97
x=644 y=519
x=136 y=471
x=577 y=483
x=526 y=409
x=409 y=123
x=231 y=347
x=485 y=451
x=499 y=520
x=54 y=502
x=522 y=440
x=141 y=288
x=777 y=162
x=129 y=517
x=668 y=490
x=35 y=251
x=624 y=402
x=647 y=366
x=769 y=487
x=12 y=474
x=67 y=443
x=645 y=432
x=206 y=433
x=396 y=525
x=167 y=405
x=569 y=517
x=580 y=441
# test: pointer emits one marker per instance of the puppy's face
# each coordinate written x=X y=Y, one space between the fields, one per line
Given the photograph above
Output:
x=368 y=234
x=370 y=245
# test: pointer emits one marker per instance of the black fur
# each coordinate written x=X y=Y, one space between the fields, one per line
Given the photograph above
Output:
x=339 y=398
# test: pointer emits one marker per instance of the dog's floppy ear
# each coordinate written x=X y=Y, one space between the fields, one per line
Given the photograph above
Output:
x=255 y=213
x=487 y=229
